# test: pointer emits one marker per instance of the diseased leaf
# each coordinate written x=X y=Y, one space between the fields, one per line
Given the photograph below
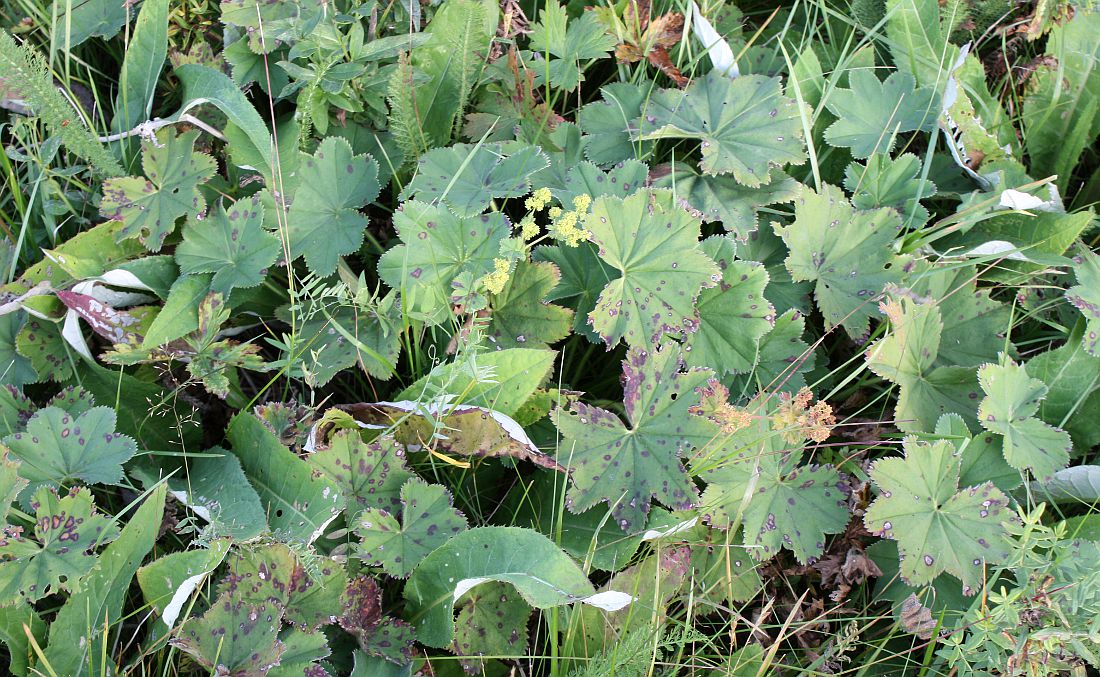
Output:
x=492 y=621
x=323 y=222
x=62 y=549
x=40 y=341
x=732 y=316
x=148 y=207
x=59 y=447
x=232 y=244
x=234 y=637
x=15 y=369
x=585 y=178
x=583 y=276
x=381 y=636
x=654 y=244
x=722 y=198
x=746 y=126
x=274 y=574
x=1011 y=402
x=782 y=359
x=468 y=177
x=938 y=527
x=756 y=478
x=428 y=520
x=629 y=466
x=368 y=474
x=1086 y=298
x=520 y=314
x=845 y=251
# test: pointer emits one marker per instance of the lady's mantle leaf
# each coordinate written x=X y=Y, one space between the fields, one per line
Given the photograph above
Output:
x=521 y=317
x=884 y=181
x=628 y=467
x=382 y=636
x=437 y=247
x=369 y=474
x=468 y=177
x=938 y=528
x=148 y=207
x=232 y=244
x=58 y=447
x=66 y=531
x=654 y=244
x=492 y=621
x=746 y=125
x=872 y=113
x=428 y=520
x=234 y=637
x=907 y=355
x=722 y=198
x=1086 y=297
x=323 y=222
x=732 y=316
x=846 y=251
x=570 y=41
x=781 y=503
x=1009 y=408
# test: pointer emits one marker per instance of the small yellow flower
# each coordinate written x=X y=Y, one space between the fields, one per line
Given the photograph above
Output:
x=538 y=200
x=494 y=282
x=501 y=265
x=554 y=212
x=528 y=228
x=582 y=202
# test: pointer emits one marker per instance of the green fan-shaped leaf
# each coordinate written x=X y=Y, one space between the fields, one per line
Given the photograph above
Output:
x=1086 y=298
x=732 y=316
x=970 y=316
x=15 y=369
x=722 y=198
x=782 y=359
x=654 y=244
x=11 y=484
x=606 y=124
x=756 y=477
x=1011 y=402
x=982 y=459
x=847 y=252
x=1073 y=399
x=585 y=178
x=148 y=207
x=542 y=574
x=938 y=527
x=232 y=244
x=520 y=314
x=872 y=113
x=59 y=447
x=629 y=466
x=323 y=221
x=723 y=570
x=437 y=247
x=569 y=41
x=369 y=474
x=428 y=520
x=583 y=276
x=746 y=125
x=234 y=637
x=61 y=551
x=890 y=182
x=468 y=177
x=907 y=357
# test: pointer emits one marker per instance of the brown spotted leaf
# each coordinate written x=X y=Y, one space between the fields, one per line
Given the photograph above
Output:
x=61 y=550
x=369 y=474
x=378 y=635
x=235 y=638
x=492 y=621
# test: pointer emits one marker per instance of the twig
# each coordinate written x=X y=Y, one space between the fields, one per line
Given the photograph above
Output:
x=148 y=129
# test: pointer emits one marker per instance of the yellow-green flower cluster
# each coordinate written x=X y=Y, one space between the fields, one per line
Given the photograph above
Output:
x=494 y=282
x=565 y=228
x=538 y=200
x=528 y=229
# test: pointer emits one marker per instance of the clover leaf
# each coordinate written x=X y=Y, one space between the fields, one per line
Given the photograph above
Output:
x=756 y=475
x=1086 y=298
x=938 y=527
x=732 y=316
x=847 y=252
x=569 y=41
x=323 y=221
x=428 y=520
x=654 y=244
x=746 y=126
x=66 y=531
x=148 y=207
x=232 y=244
x=630 y=466
x=468 y=177
x=872 y=113
x=59 y=447
x=1009 y=408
